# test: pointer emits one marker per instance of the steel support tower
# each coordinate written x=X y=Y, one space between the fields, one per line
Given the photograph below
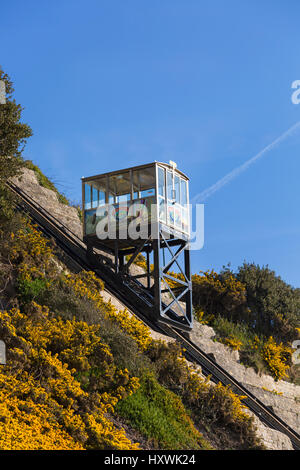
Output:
x=159 y=243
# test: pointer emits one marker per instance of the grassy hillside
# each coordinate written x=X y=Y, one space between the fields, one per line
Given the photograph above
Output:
x=78 y=370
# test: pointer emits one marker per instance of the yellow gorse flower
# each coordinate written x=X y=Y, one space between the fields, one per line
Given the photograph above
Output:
x=86 y=284
x=40 y=393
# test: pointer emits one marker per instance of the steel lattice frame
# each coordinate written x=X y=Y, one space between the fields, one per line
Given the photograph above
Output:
x=174 y=308
x=179 y=309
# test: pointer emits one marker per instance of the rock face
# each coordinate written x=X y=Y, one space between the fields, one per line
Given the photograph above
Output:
x=48 y=200
x=282 y=396
x=273 y=440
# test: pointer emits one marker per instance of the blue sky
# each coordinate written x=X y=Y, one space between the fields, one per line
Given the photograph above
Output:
x=108 y=84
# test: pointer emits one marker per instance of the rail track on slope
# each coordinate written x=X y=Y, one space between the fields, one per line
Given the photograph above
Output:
x=132 y=295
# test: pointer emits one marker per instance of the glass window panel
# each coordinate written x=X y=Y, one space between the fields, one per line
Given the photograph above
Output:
x=148 y=192
x=120 y=184
x=161 y=182
x=170 y=206
x=94 y=197
x=183 y=198
x=177 y=189
x=99 y=184
x=123 y=198
x=170 y=215
x=185 y=220
x=87 y=196
x=101 y=198
x=177 y=216
x=143 y=179
x=90 y=222
x=98 y=187
x=169 y=185
x=162 y=209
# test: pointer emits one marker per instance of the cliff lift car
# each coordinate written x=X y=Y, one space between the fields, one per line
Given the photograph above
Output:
x=139 y=210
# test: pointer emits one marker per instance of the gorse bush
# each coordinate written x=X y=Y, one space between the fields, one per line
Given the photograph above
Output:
x=202 y=317
x=253 y=296
x=232 y=342
x=210 y=405
x=253 y=303
x=277 y=357
x=235 y=335
x=25 y=424
x=87 y=285
x=169 y=363
x=63 y=370
x=220 y=294
x=60 y=299
x=140 y=261
x=274 y=305
x=74 y=379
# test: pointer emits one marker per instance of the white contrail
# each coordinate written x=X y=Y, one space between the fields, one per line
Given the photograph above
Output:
x=201 y=197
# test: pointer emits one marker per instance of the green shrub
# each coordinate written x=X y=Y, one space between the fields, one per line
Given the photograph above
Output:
x=212 y=406
x=30 y=290
x=124 y=348
x=226 y=328
x=169 y=364
x=160 y=416
x=251 y=304
x=254 y=350
x=274 y=304
x=253 y=296
x=220 y=294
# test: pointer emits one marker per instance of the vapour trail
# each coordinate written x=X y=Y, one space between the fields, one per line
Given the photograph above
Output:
x=201 y=197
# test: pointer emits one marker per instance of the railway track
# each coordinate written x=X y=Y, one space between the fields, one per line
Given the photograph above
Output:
x=133 y=296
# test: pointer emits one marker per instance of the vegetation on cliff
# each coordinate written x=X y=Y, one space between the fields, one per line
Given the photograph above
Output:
x=76 y=366
x=63 y=359
x=253 y=311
